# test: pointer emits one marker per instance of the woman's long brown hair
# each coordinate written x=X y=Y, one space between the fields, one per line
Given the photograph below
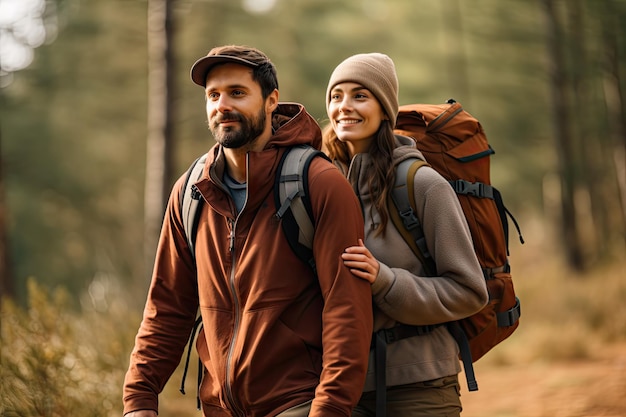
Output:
x=381 y=154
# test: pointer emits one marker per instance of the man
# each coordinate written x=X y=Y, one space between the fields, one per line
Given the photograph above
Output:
x=276 y=337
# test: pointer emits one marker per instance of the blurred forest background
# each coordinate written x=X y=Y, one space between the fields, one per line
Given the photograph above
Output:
x=98 y=117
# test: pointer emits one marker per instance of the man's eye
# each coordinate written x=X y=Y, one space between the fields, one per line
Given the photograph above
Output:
x=237 y=93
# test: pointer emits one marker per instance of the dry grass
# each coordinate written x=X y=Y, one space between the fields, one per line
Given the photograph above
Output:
x=57 y=363
x=565 y=316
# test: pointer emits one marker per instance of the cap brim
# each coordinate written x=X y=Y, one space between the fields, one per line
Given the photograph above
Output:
x=201 y=67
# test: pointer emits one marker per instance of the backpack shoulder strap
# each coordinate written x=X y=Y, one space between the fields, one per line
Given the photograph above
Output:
x=293 y=205
x=405 y=214
x=191 y=201
x=407 y=223
x=190 y=206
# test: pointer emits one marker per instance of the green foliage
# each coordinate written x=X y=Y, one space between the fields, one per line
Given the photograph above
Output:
x=73 y=143
x=74 y=123
x=57 y=363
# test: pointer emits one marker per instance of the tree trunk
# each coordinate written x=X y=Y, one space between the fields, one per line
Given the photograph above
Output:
x=160 y=112
x=616 y=107
x=565 y=154
x=587 y=142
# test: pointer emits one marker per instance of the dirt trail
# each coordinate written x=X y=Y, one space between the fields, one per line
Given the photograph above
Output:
x=574 y=389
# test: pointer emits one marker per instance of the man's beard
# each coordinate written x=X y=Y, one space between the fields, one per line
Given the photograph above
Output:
x=231 y=137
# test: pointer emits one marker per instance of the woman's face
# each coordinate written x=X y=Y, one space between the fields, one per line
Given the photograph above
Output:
x=355 y=115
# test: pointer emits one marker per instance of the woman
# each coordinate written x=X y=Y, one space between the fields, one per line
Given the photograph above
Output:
x=422 y=370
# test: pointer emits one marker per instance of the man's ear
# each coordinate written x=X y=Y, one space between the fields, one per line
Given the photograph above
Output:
x=272 y=101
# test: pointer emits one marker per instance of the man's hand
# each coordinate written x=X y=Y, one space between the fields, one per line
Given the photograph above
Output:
x=142 y=413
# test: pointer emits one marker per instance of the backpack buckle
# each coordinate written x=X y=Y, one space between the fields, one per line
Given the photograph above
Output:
x=195 y=193
x=389 y=335
x=409 y=219
x=474 y=189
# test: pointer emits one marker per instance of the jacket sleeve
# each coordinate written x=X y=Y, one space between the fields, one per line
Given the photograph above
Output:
x=459 y=289
x=347 y=315
x=168 y=316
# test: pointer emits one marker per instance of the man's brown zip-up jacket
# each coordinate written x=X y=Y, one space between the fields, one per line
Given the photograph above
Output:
x=274 y=334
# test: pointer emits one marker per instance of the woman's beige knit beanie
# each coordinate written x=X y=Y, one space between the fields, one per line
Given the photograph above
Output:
x=374 y=71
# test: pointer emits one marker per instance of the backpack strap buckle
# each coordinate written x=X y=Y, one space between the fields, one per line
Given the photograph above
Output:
x=195 y=192
x=403 y=331
x=475 y=189
x=409 y=219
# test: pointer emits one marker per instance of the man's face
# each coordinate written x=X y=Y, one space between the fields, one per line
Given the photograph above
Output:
x=236 y=111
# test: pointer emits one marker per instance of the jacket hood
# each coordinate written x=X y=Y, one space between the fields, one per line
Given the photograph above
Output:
x=293 y=125
x=357 y=171
x=406 y=148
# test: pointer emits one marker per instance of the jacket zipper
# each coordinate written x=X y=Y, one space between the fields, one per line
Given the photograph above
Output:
x=236 y=408
x=233 y=288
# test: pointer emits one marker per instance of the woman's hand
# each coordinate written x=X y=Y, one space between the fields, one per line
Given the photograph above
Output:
x=361 y=262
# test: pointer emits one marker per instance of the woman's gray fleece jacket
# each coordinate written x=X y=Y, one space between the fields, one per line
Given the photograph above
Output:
x=402 y=292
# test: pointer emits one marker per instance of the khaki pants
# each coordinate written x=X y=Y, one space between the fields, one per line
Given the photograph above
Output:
x=301 y=410
x=436 y=398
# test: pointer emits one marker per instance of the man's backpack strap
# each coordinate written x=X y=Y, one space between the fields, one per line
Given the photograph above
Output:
x=190 y=204
x=293 y=205
x=291 y=191
x=196 y=329
x=191 y=201
x=405 y=215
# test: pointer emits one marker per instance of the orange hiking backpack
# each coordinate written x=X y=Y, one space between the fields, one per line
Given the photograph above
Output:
x=455 y=145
